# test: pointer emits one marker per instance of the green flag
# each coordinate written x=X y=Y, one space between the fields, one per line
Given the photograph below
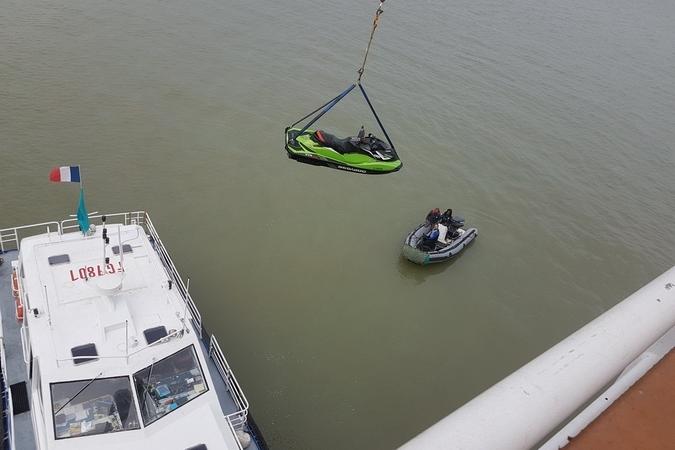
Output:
x=82 y=216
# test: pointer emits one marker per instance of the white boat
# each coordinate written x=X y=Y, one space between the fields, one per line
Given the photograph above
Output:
x=110 y=345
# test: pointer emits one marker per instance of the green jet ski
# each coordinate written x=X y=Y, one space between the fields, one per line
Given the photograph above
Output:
x=360 y=153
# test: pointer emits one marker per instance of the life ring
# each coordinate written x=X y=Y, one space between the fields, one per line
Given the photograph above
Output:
x=19 y=310
x=15 y=284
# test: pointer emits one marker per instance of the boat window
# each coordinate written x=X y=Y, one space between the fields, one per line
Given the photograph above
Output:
x=155 y=334
x=87 y=407
x=169 y=383
x=126 y=248
x=58 y=259
x=81 y=351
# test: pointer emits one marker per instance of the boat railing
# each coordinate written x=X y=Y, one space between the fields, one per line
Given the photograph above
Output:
x=238 y=418
x=10 y=238
x=7 y=410
x=234 y=432
x=126 y=355
x=171 y=268
x=123 y=218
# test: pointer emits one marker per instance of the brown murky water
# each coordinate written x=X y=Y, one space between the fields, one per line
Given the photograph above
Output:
x=548 y=125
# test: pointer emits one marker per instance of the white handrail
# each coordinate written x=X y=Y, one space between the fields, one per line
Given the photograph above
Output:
x=25 y=349
x=128 y=217
x=177 y=333
x=634 y=372
x=173 y=272
x=234 y=433
x=9 y=235
x=7 y=394
x=238 y=417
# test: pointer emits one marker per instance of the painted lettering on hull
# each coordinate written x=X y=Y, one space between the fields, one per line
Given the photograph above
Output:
x=351 y=169
x=99 y=270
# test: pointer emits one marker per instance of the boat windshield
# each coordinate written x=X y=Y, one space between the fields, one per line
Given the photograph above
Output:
x=169 y=383
x=86 y=407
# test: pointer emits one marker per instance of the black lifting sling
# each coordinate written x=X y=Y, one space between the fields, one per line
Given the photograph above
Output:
x=323 y=109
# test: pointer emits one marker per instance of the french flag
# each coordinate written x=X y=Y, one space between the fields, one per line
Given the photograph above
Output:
x=65 y=174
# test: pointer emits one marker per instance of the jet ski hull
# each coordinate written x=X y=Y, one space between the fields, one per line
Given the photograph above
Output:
x=305 y=149
x=441 y=253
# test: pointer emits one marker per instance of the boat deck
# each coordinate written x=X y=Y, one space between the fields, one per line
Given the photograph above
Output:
x=231 y=399
x=16 y=369
x=643 y=417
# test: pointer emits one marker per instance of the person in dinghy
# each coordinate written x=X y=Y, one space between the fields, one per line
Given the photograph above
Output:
x=443 y=228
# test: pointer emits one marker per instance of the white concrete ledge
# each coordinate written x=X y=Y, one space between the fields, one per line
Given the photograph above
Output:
x=520 y=411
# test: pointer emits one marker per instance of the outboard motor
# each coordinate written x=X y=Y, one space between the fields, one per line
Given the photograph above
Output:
x=457 y=221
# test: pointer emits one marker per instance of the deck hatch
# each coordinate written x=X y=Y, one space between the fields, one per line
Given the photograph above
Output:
x=84 y=350
x=155 y=334
x=58 y=259
x=126 y=248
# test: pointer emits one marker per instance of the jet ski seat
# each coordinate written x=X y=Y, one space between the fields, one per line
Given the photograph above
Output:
x=368 y=145
x=341 y=146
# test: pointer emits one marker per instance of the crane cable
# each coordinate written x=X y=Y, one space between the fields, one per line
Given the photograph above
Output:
x=376 y=20
x=331 y=103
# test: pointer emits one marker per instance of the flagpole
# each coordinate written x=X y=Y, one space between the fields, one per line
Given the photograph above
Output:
x=82 y=209
x=84 y=232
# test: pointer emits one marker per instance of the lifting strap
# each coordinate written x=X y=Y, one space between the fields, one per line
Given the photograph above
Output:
x=326 y=107
x=338 y=98
x=334 y=101
x=379 y=122
x=376 y=20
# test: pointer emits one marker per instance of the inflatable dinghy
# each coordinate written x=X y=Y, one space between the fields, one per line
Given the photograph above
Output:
x=420 y=249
